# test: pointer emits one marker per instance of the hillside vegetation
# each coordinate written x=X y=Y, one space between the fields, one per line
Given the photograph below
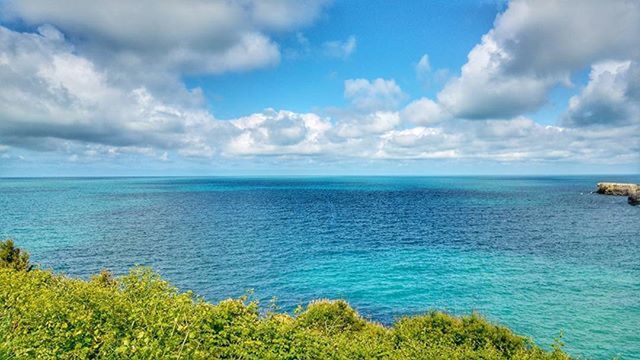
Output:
x=141 y=316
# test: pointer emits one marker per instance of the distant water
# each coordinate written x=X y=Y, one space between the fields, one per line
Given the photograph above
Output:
x=539 y=254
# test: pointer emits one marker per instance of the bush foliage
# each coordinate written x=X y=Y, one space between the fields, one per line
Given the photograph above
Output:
x=13 y=257
x=141 y=316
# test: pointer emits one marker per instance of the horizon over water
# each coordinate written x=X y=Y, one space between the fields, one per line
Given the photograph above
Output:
x=540 y=254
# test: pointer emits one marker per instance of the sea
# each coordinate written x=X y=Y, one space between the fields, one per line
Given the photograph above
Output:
x=542 y=255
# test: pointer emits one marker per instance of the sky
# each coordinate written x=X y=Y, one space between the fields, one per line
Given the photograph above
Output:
x=319 y=87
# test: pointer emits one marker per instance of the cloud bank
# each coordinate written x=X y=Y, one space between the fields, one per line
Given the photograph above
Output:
x=100 y=79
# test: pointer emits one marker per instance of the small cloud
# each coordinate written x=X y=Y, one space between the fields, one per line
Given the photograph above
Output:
x=379 y=94
x=51 y=33
x=340 y=49
x=302 y=47
x=441 y=76
x=423 y=68
x=302 y=40
x=334 y=49
x=428 y=76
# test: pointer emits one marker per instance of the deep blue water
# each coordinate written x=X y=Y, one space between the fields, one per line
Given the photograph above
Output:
x=539 y=254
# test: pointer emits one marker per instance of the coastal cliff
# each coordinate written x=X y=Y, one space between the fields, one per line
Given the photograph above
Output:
x=632 y=191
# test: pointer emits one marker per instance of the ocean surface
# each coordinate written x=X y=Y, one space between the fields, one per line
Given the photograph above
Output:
x=541 y=255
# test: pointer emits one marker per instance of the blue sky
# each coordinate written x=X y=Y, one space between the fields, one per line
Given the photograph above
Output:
x=413 y=28
x=208 y=87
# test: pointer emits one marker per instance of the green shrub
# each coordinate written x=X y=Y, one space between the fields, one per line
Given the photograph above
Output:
x=13 y=257
x=330 y=317
x=104 y=278
x=141 y=316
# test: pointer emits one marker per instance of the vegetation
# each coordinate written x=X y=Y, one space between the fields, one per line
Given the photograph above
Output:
x=12 y=257
x=141 y=316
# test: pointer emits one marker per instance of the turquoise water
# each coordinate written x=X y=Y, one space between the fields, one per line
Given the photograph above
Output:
x=540 y=254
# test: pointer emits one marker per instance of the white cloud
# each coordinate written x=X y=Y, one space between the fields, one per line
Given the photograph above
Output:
x=484 y=91
x=340 y=49
x=612 y=96
x=251 y=50
x=336 y=49
x=284 y=14
x=423 y=111
x=117 y=87
x=420 y=143
x=88 y=98
x=49 y=92
x=363 y=125
x=514 y=140
x=54 y=99
x=278 y=133
x=379 y=94
x=193 y=36
x=536 y=45
x=423 y=68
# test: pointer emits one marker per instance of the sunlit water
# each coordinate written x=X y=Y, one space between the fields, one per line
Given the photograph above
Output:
x=542 y=255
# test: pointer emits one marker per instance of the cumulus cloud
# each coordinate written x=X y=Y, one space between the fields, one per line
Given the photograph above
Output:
x=424 y=111
x=277 y=133
x=51 y=92
x=612 y=96
x=193 y=36
x=420 y=143
x=105 y=77
x=535 y=46
x=362 y=125
x=379 y=94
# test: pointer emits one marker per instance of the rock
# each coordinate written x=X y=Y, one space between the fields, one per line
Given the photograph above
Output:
x=618 y=189
x=632 y=191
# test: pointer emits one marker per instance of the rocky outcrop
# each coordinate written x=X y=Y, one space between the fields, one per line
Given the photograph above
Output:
x=618 y=189
x=632 y=191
